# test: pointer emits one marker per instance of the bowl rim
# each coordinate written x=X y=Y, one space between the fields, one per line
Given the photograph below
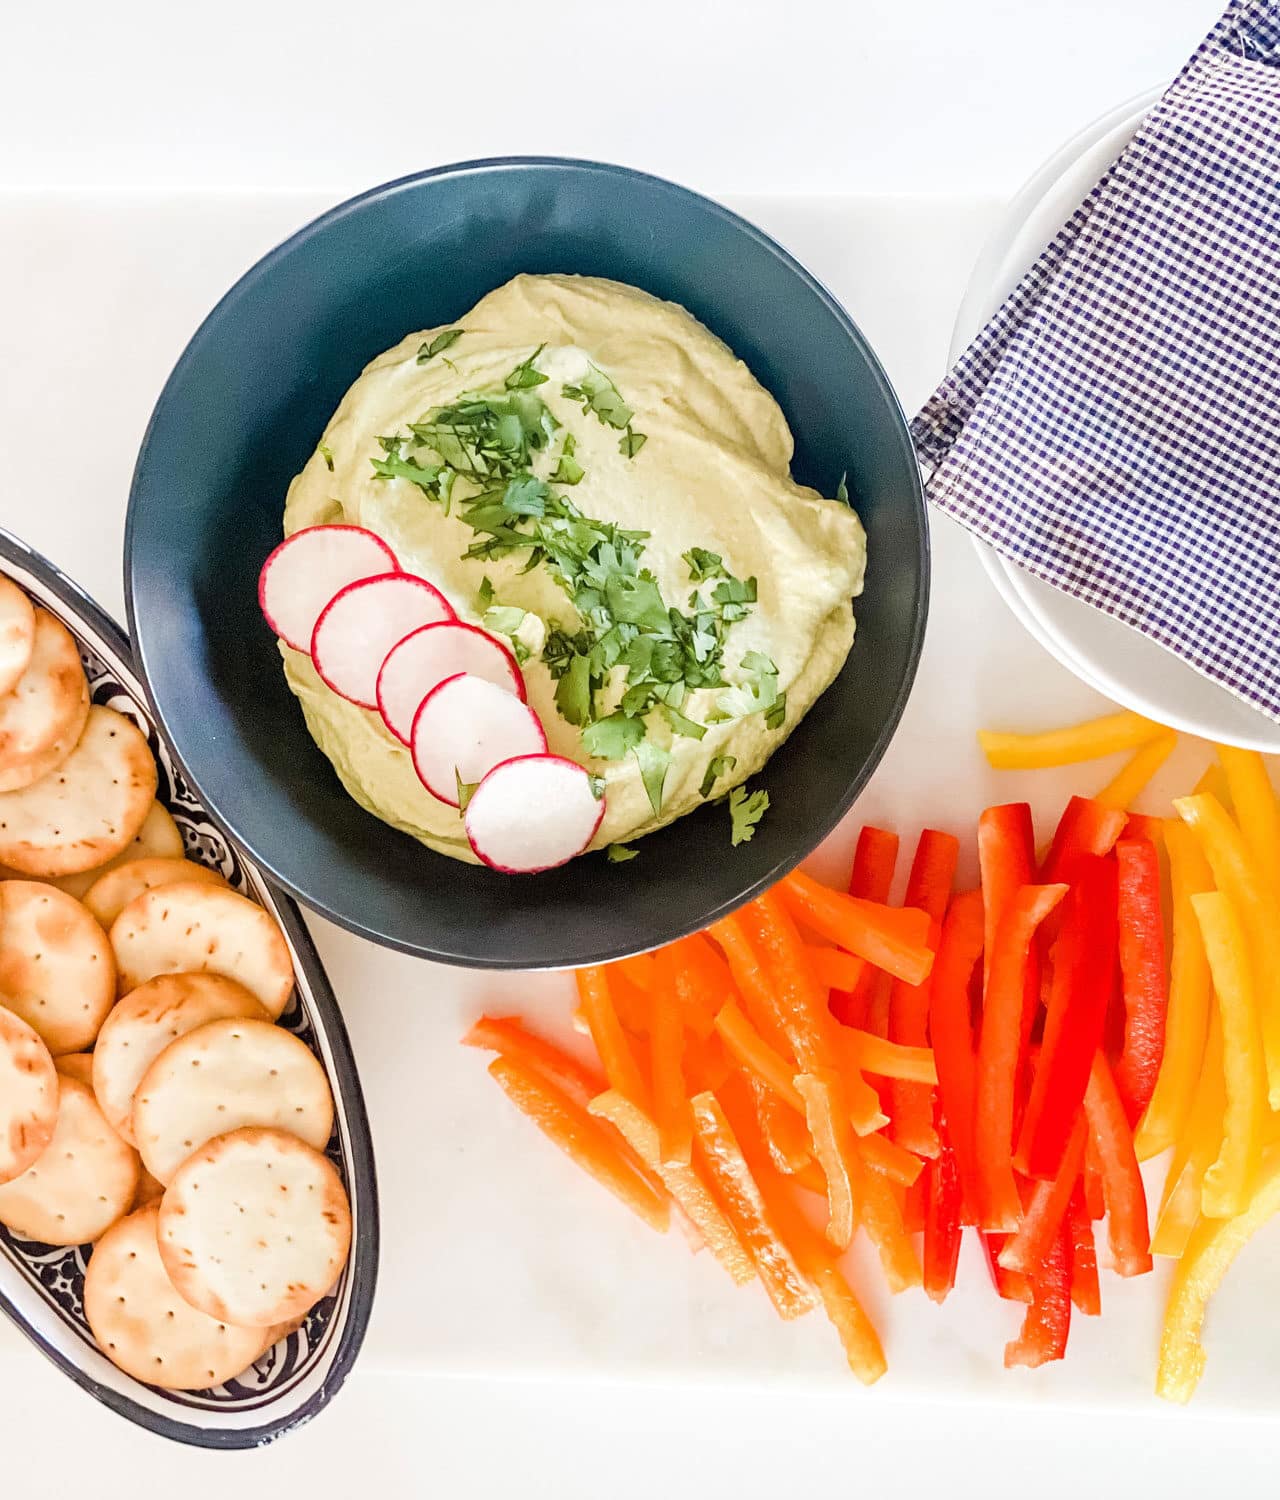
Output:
x=98 y=626
x=825 y=825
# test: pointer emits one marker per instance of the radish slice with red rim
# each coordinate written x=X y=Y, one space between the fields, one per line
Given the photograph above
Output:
x=465 y=727
x=427 y=657
x=308 y=568
x=533 y=813
x=361 y=623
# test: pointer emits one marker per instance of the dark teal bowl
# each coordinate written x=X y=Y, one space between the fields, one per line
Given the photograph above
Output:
x=242 y=412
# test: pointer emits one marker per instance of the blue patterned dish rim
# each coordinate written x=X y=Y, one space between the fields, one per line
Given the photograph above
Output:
x=41 y=1286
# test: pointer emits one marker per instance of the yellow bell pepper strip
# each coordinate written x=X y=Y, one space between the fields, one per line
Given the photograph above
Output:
x=888 y=1059
x=1065 y=747
x=619 y=1062
x=1196 y=1150
x=1047 y=1323
x=1132 y=779
x=750 y=1049
x=893 y=938
x=828 y=1120
x=687 y=1188
x=719 y=1152
x=1144 y=984
x=1190 y=999
x=999 y=1046
x=1046 y=1211
x=1122 y=1187
x=1229 y=1181
x=508 y=1035
x=585 y=1141
x=1256 y=809
x=1213 y=783
x=1086 y=1294
x=1238 y=877
x=1213 y=1246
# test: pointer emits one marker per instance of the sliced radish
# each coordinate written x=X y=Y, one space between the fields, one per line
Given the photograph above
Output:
x=532 y=813
x=308 y=568
x=424 y=659
x=362 y=622
x=465 y=727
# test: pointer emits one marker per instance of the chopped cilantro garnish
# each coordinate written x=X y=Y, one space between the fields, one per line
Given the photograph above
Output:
x=682 y=725
x=326 y=453
x=756 y=694
x=842 y=489
x=631 y=443
x=610 y=738
x=746 y=809
x=433 y=479
x=597 y=394
x=524 y=376
x=466 y=790
x=596 y=783
x=484 y=594
x=619 y=854
x=439 y=344
x=717 y=766
x=568 y=470
x=504 y=619
x=703 y=564
x=653 y=761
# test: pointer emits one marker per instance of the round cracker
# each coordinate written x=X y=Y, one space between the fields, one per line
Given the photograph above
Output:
x=82 y=1182
x=221 y=1077
x=86 y=811
x=108 y=896
x=17 y=634
x=57 y=970
x=28 y=1096
x=145 y=1328
x=77 y=1065
x=255 y=1228
x=147 y=1020
x=46 y=707
x=192 y=928
x=158 y=838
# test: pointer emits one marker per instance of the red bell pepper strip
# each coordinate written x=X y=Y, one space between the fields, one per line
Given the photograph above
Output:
x=999 y=1207
x=1126 y=1199
x=1092 y=1182
x=1048 y=1321
x=1012 y=1286
x=1083 y=972
x=1085 y=1291
x=941 y=1218
x=1086 y=827
x=928 y=887
x=952 y=1035
x=1046 y=1211
x=1143 y=972
x=1006 y=862
x=874 y=861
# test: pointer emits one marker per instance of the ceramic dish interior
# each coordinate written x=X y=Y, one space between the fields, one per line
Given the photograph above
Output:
x=41 y=1286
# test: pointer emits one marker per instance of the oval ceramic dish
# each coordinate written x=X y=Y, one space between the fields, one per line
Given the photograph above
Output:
x=242 y=412
x=41 y=1285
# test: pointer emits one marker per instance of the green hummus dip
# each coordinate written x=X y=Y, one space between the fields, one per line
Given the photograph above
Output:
x=704 y=603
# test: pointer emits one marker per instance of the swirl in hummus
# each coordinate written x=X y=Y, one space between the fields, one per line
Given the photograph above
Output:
x=589 y=473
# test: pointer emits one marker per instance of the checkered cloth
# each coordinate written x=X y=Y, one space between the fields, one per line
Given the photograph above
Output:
x=1115 y=428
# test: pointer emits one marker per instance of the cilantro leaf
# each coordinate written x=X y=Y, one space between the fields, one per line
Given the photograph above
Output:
x=653 y=761
x=432 y=479
x=326 y=453
x=631 y=442
x=703 y=564
x=610 y=738
x=439 y=344
x=484 y=594
x=596 y=783
x=597 y=394
x=573 y=698
x=568 y=469
x=842 y=489
x=466 y=790
x=619 y=854
x=717 y=766
x=756 y=694
x=504 y=619
x=682 y=725
x=746 y=809
x=525 y=496
x=524 y=376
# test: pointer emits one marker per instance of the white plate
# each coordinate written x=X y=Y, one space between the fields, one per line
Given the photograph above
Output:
x=1110 y=656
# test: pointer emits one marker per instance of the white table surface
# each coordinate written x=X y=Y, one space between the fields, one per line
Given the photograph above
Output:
x=146 y=159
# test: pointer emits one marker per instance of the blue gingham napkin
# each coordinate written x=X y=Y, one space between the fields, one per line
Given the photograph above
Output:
x=1115 y=428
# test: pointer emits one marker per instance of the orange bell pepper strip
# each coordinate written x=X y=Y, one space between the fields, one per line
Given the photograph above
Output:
x=888 y=1059
x=739 y=1194
x=1190 y=999
x=782 y=1130
x=1135 y=775
x=999 y=1208
x=874 y=861
x=507 y=1035
x=1086 y=1294
x=828 y=1120
x=1047 y=1323
x=699 y=979
x=587 y=1143
x=863 y=1103
x=706 y=1064
x=835 y=969
x=1228 y=1183
x=1065 y=747
x=631 y=1004
x=893 y=938
x=1213 y=1246
x=951 y=1031
x=1122 y=1186
x=687 y=1188
x=666 y=1068
x=882 y=1219
x=752 y=980
x=1238 y=876
x=1257 y=811
x=1144 y=985
x=1197 y=1148
x=750 y=1049
x=619 y=1062
x=1046 y=1211
x=910 y=1106
x=889 y=1159
x=639 y=969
